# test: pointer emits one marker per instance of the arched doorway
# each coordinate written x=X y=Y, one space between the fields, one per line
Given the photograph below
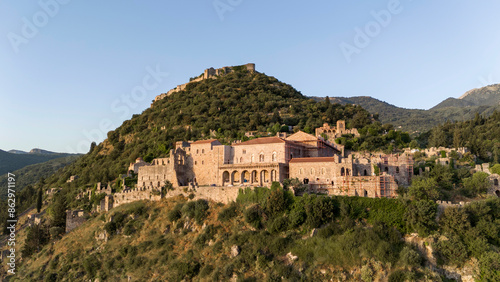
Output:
x=498 y=193
x=245 y=177
x=264 y=177
x=225 y=178
x=235 y=177
x=254 y=176
x=274 y=175
x=342 y=172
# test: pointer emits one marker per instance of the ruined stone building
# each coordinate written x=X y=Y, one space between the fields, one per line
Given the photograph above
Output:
x=208 y=73
x=74 y=219
x=354 y=177
x=335 y=132
x=135 y=166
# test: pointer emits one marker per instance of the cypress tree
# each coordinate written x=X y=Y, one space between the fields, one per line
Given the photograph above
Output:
x=39 y=200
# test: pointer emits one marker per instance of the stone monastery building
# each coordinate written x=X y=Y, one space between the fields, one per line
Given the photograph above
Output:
x=259 y=162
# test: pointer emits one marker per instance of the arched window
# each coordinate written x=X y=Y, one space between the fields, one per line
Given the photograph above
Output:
x=203 y=151
x=300 y=171
x=495 y=182
x=274 y=156
x=241 y=159
x=342 y=172
x=397 y=169
x=323 y=171
x=261 y=158
x=365 y=173
x=197 y=151
x=253 y=158
x=312 y=171
x=348 y=171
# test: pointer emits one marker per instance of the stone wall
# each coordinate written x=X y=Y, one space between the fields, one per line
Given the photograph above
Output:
x=215 y=193
x=137 y=194
x=362 y=186
x=74 y=219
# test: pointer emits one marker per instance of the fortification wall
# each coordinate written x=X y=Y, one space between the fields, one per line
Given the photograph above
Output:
x=137 y=194
x=215 y=193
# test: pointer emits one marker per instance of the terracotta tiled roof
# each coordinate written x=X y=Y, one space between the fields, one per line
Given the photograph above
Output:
x=204 y=141
x=313 y=160
x=262 y=140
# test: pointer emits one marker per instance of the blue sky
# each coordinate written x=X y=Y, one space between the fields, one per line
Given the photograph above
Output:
x=72 y=70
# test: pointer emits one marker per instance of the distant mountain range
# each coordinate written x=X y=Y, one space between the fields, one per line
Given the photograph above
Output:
x=33 y=151
x=483 y=101
x=31 y=174
x=15 y=159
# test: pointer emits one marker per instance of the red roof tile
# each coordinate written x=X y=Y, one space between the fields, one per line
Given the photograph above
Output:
x=262 y=140
x=313 y=160
x=204 y=141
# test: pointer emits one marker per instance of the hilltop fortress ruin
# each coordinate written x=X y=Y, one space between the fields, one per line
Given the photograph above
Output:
x=208 y=73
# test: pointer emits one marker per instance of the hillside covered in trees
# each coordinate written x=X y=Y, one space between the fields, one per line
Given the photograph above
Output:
x=480 y=135
x=223 y=108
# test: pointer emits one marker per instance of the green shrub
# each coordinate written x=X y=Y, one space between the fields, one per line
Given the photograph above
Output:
x=489 y=267
x=50 y=277
x=452 y=251
x=280 y=245
x=110 y=227
x=188 y=210
x=397 y=276
x=175 y=213
x=409 y=257
x=253 y=216
x=228 y=213
x=278 y=225
x=92 y=265
x=200 y=211
x=206 y=270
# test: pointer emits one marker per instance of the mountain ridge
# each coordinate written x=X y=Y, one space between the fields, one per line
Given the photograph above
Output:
x=484 y=101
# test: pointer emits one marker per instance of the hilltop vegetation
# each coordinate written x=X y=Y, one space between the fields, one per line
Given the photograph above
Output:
x=223 y=108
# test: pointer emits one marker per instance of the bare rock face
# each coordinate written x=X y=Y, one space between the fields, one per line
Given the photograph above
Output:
x=235 y=251
x=314 y=232
x=102 y=236
x=291 y=258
